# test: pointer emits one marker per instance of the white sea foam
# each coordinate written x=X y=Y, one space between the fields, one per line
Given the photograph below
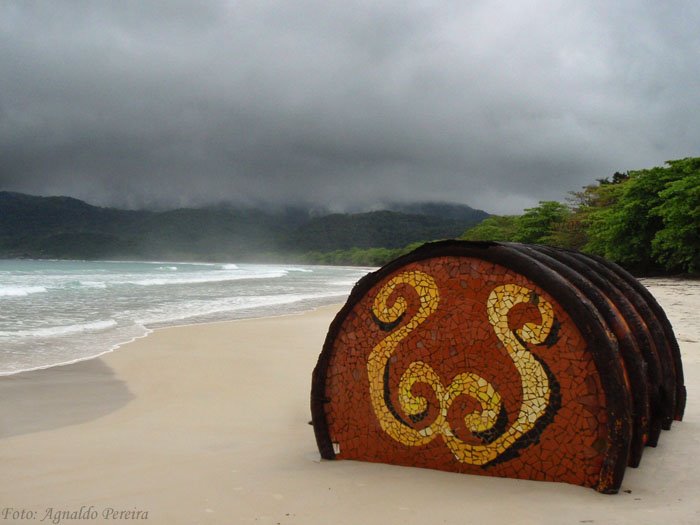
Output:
x=93 y=306
x=200 y=309
x=137 y=332
x=56 y=331
x=207 y=278
x=20 y=291
x=348 y=282
x=93 y=284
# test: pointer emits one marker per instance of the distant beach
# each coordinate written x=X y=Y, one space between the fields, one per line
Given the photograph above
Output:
x=209 y=424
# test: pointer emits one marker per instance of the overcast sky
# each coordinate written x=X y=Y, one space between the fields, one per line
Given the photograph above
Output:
x=494 y=104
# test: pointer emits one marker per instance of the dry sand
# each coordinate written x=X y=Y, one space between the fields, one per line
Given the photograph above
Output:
x=209 y=424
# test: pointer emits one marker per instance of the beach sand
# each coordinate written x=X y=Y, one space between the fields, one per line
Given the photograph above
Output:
x=209 y=424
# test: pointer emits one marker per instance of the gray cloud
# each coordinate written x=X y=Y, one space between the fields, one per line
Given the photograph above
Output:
x=494 y=104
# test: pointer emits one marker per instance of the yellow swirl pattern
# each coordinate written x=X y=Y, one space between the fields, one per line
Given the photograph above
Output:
x=535 y=384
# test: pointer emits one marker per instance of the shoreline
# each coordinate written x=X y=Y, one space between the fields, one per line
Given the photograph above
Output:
x=101 y=366
x=81 y=359
x=208 y=423
x=151 y=329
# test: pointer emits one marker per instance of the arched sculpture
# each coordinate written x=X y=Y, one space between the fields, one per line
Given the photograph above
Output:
x=498 y=359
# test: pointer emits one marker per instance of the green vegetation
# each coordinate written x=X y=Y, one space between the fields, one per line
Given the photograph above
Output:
x=646 y=220
x=358 y=256
x=372 y=230
x=495 y=228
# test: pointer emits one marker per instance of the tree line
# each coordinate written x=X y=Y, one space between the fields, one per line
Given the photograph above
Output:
x=647 y=220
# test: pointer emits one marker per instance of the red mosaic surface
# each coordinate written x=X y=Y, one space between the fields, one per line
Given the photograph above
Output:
x=568 y=445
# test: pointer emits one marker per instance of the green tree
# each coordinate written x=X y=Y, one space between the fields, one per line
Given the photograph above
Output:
x=624 y=227
x=677 y=244
x=494 y=228
x=593 y=209
x=540 y=225
x=584 y=204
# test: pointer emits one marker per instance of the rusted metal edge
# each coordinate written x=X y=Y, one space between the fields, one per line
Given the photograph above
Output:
x=633 y=361
x=660 y=328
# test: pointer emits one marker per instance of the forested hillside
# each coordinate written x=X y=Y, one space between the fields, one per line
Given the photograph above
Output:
x=646 y=220
x=62 y=227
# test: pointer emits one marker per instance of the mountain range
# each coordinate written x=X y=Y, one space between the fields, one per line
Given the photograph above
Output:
x=65 y=227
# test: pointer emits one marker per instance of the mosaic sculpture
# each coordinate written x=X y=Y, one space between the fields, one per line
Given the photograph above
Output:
x=499 y=359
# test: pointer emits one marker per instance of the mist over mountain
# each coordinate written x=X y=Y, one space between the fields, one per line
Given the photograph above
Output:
x=65 y=227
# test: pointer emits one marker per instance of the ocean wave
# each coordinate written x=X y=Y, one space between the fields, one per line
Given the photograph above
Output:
x=93 y=284
x=20 y=291
x=82 y=309
x=342 y=283
x=118 y=339
x=198 y=309
x=213 y=278
x=55 y=331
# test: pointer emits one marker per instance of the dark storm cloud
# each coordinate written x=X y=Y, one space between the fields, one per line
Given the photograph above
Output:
x=494 y=104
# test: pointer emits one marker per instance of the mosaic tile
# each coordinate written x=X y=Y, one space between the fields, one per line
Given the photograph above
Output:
x=479 y=359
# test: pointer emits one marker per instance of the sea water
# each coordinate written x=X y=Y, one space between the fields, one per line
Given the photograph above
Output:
x=58 y=312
